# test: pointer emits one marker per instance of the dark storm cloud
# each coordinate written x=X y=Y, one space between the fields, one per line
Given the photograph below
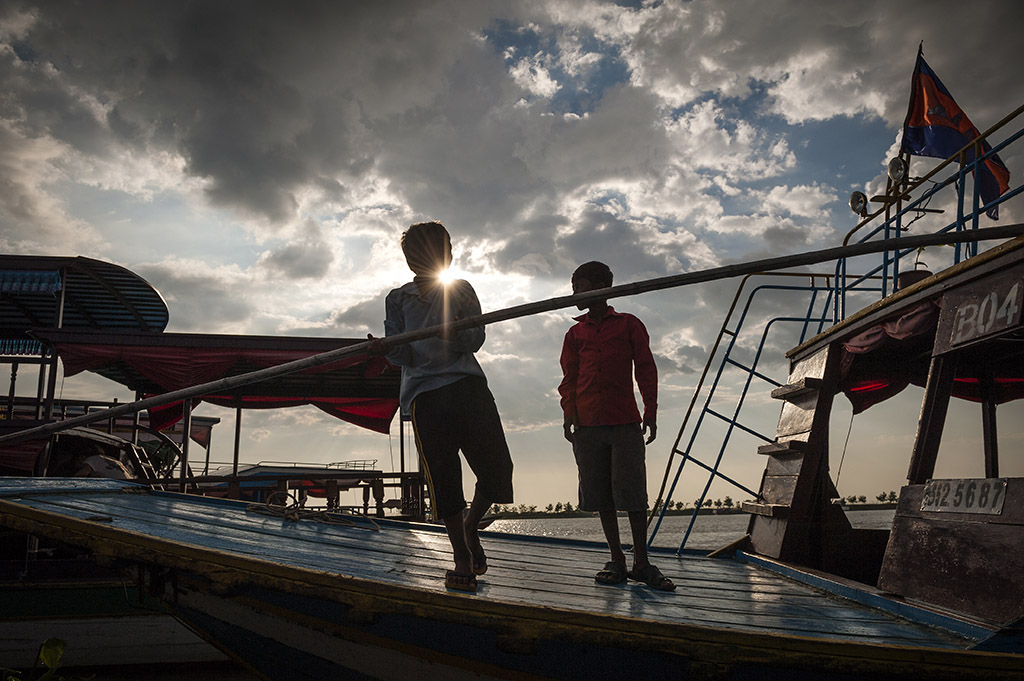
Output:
x=360 y=319
x=600 y=235
x=260 y=102
x=684 y=359
x=783 y=238
x=307 y=256
x=200 y=301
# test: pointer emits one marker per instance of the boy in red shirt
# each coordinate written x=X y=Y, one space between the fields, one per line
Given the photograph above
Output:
x=599 y=357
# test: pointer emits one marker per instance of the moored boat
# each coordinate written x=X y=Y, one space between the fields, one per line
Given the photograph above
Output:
x=804 y=595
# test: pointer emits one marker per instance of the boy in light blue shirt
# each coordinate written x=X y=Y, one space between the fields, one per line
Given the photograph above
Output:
x=446 y=393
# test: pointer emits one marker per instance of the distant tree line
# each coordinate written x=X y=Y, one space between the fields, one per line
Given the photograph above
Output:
x=727 y=504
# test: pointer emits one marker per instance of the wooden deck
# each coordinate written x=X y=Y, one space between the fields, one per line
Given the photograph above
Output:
x=551 y=577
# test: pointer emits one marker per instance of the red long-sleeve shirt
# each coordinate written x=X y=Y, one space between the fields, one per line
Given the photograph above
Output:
x=598 y=361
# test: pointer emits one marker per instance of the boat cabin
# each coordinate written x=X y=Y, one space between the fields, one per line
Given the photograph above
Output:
x=955 y=544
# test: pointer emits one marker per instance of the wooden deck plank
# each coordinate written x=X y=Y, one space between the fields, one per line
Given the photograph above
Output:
x=698 y=608
x=697 y=611
x=555 y=574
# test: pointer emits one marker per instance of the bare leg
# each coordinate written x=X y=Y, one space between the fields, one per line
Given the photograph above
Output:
x=642 y=570
x=638 y=529
x=476 y=511
x=460 y=549
x=610 y=525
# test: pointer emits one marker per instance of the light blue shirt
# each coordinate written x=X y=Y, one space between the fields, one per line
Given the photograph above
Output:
x=433 y=362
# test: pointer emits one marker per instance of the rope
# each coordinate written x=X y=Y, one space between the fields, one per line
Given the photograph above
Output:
x=284 y=505
x=843 y=457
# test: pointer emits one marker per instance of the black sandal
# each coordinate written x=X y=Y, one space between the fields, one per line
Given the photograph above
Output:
x=652 y=577
x=613 y=573
x=460 y=581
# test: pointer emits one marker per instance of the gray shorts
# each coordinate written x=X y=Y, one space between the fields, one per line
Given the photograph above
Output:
x=612 y=470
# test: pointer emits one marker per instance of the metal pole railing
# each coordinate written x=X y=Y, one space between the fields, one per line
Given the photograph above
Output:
x=527 y=309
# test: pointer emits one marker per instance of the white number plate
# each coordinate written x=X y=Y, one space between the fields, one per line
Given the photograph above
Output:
x=984 y=495
x=987 y=313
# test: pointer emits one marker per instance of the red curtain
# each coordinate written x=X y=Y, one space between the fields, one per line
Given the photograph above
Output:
x=175 y=368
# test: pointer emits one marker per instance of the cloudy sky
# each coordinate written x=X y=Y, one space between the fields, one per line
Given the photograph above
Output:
x=257 y=162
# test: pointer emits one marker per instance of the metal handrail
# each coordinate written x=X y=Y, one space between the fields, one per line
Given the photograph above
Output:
x=661 y=504
x=841 y=285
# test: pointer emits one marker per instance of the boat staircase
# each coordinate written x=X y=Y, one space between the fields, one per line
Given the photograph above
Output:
x=723 y=403
x=795 y=460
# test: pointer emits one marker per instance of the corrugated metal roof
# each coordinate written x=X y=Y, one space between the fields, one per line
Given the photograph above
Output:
x=30 y=281
x=97 y=295
x=20 y=346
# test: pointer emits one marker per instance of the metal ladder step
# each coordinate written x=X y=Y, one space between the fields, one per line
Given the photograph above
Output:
x=767 y=510
x=788 y=447
x=797 y=389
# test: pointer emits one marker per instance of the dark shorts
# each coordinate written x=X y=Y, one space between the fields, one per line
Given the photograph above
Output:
x=461 y=415
x=613 y=472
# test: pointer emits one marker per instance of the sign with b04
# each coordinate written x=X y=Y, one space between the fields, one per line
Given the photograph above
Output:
x=986 y=312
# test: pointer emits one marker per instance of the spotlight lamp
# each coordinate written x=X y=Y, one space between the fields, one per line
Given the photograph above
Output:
x=859 y=203
x=897 y=169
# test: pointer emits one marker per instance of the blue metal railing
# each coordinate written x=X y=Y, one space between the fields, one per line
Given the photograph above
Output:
x=808 y=322
x=878 y=279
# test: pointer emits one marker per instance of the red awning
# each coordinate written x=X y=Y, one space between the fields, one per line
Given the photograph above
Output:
x=358 y=389
x=882 y=361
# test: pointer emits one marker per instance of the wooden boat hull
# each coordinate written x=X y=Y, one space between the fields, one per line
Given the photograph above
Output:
x=108 y=622
x=285 y=636
x=287 y=618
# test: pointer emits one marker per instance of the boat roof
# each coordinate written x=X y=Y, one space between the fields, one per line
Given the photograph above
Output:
x=358 y=389
x=96 y=295
x=889 y=345
x=982 y=264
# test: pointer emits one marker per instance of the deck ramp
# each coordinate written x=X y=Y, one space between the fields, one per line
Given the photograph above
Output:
x=538 y=572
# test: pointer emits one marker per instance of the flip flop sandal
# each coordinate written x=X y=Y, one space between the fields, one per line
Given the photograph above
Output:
x=652 y=577
x=460 y=581
x=480 y=564
x=613 y=573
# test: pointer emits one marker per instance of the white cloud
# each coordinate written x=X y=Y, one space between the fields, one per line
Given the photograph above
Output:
x=816 y=86
x=807 y=201
x=533 y=75
x=259 y=166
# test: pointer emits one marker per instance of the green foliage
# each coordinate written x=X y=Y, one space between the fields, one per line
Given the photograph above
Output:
x=51 y=652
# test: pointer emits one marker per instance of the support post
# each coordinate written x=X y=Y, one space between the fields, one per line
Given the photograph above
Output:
x=187 y=426
x=933 y=418
x=988 y=426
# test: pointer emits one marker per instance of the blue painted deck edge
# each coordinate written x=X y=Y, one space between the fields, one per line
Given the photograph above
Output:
x=907 y=611
x=437 y=528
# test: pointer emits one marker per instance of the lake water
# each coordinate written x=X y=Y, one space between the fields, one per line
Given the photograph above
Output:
x=709 y=532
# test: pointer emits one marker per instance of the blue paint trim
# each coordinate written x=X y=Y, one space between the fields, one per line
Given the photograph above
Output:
x=267 y=656
x=907 y=611
x=28 y=487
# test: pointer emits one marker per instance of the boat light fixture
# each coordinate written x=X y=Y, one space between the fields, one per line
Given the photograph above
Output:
x=897 y=169
x=859 y=203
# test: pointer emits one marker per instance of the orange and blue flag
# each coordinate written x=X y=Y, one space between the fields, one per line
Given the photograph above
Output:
x=937 y=126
